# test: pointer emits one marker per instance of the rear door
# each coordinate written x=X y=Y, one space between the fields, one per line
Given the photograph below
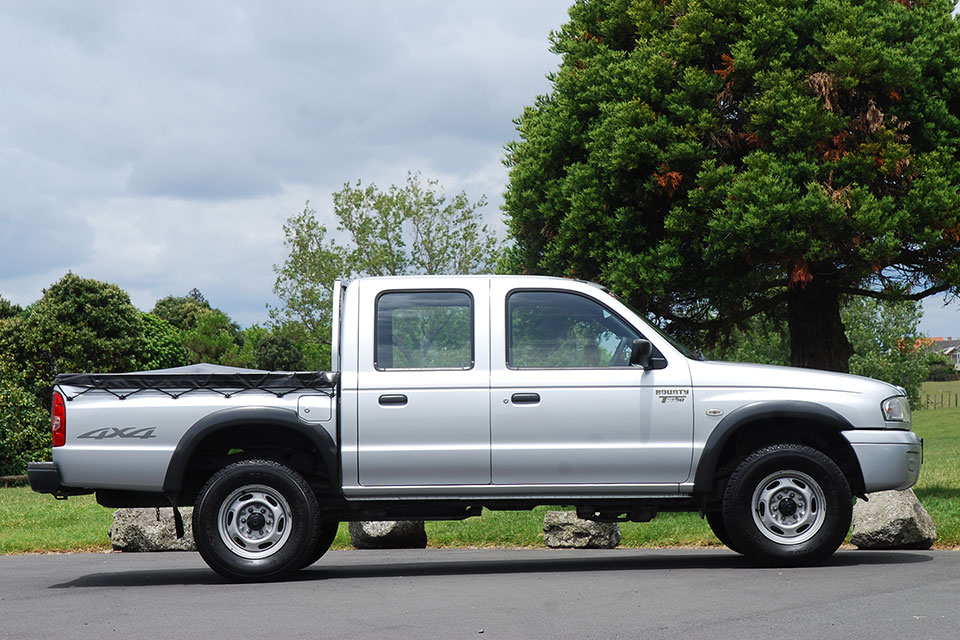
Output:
x=423 y=405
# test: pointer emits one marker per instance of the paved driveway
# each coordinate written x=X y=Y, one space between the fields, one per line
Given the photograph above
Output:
x=688 y=594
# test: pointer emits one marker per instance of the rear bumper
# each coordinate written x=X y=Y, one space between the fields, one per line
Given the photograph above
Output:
x=889 y=460
x=44 y=477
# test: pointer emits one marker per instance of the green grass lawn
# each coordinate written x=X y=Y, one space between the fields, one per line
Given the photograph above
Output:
x=940 y=394
x=939 y=486
x=525 y=529
x=32 y=522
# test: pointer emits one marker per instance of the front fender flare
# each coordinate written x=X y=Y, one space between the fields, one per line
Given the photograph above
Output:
x=751 y=414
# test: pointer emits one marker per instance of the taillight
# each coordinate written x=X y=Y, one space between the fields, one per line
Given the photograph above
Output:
x=58 y=420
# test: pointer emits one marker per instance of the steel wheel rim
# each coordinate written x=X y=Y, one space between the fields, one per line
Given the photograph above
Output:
x=254 y=521
x=789 y=507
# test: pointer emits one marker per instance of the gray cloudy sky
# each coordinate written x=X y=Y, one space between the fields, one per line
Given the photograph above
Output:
x=161 y=145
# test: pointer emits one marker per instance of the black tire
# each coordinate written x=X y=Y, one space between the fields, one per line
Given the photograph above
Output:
x=715 y=520
x=328 y=531
x=255 y=520
x=787 y=505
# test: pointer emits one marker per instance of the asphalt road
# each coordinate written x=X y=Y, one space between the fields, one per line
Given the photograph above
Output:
x=677 y=593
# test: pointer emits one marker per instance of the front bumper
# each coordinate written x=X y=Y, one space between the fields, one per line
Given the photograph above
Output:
x=44 y=477
x=889 y=459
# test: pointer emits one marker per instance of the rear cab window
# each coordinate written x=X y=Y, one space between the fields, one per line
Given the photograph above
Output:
x=424 y=330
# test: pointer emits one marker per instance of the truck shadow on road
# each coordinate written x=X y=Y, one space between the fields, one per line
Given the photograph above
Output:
x=421 y=564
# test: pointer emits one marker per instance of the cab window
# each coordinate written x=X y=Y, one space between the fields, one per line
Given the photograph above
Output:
x=424 y=330
x=556 y=329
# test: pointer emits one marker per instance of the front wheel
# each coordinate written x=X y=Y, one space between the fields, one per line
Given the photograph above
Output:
x=255 y=520
x=328 y=531
x=787 y=504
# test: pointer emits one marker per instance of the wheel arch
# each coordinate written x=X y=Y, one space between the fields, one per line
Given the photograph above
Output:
x=764 y=423
x=265 y=429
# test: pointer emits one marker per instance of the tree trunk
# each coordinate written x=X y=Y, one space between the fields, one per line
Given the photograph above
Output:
x=817 y=336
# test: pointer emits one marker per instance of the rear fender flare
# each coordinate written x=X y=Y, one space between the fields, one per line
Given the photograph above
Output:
x=266 y=417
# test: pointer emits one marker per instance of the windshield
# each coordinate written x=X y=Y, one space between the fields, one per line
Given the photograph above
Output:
x=693 y=354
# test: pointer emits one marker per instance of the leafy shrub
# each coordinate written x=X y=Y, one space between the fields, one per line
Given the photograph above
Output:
x=942 y=372
x=24 y=424
x=161 y=346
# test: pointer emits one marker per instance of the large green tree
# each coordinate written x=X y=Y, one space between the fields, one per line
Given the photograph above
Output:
x=79 y=325
x=161 y=344
x=410 y=229
x=8 y=309
x=712 y=160
x=207 y=334
x=181 y=312
x=214 y=338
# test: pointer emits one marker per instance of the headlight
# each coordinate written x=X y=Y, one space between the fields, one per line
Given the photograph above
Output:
x=896 y=409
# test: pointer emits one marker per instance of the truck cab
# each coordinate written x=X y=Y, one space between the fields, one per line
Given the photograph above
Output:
x=499 y=386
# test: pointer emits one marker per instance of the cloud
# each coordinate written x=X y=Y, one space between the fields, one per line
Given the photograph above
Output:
x=161 y=146
x=197 y=169
x=166 y=246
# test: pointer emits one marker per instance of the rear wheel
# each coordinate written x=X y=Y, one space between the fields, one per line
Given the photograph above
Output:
x=715 y=520
x=787 y=504
x=255 y=520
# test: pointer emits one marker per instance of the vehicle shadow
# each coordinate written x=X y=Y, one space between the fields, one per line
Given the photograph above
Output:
x=423 y=563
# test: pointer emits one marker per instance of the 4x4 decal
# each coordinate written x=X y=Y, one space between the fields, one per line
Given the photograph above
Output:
x=142 y=433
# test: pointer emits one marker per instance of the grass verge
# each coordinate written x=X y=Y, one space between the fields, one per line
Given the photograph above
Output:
x=34 y=522
x=939 y=486
x=30 y=522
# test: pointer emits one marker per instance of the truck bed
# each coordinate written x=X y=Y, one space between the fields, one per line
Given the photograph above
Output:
x=124 y=428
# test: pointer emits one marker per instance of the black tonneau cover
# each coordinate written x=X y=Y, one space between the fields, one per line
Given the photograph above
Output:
x=226 y=381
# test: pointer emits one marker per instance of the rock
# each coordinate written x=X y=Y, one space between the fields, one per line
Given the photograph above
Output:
x=388 y=534
x=563 y=529
x=892 y=520
x=138 y=530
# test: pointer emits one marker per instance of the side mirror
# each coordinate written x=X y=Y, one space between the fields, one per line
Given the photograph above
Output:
x=640 y=353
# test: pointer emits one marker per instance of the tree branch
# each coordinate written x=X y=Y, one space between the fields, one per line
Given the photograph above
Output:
x=733 y=319
x=880 y=295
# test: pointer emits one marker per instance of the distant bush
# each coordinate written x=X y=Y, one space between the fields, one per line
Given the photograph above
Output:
x=24 y=423
x=161 y=346
x=942 y=372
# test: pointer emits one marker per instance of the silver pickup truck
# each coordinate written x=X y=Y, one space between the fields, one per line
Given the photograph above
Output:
x=455 y=393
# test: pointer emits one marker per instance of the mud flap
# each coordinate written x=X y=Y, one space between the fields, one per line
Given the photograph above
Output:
x=177 y=518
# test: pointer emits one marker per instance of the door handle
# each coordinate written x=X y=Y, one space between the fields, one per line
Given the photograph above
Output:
x=393 y=399
x=525 y=398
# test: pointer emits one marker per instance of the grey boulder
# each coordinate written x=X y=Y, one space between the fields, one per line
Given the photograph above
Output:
x=139 y=530
x=563 y=529
x=892 y=520
x=388 y=534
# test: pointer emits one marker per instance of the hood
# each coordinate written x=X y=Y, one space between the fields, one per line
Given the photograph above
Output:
x=743 y=375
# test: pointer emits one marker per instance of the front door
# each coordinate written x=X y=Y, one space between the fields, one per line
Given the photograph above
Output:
x=566 y=406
